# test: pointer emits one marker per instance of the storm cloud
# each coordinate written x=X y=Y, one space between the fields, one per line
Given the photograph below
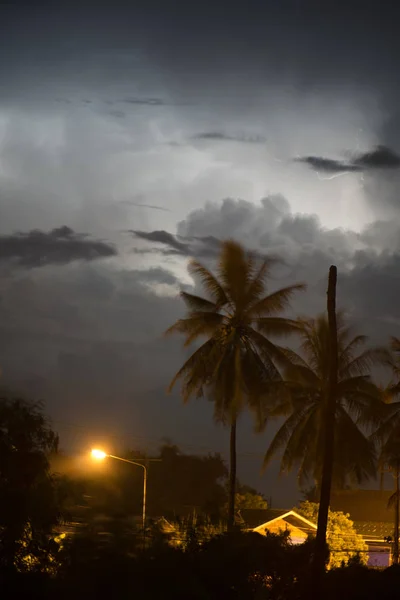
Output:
x=225 y=137
x=380 y=157
x=328 y=165
x=180 y=245
x=59 y=246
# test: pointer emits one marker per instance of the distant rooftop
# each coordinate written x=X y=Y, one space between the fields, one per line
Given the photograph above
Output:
x=253 y=517
x=374 y=530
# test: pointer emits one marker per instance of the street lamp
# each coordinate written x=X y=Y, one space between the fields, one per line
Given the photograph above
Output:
x=100 y=455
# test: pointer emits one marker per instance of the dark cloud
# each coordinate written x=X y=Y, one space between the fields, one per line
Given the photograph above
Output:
x=164 y=238
x=142 y=205
x=57 y=247
x=328 y=165
x=223 y=137
x=179 y=245
x=153 y=102
x=145 y=101
x=381 y=157
x=371 y=290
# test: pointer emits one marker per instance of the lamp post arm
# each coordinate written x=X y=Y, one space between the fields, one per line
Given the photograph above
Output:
x=132 y=462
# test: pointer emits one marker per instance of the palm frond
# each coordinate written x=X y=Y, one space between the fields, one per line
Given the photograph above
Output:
x=274 y=303
x=257 y=285
x=393 y=499
x=301 y=448
x=284 y=433
x=360 y=394
x=277 y=326
x=209 y=282
x=235 y=270
x=301 y=377
x=197 y=303
x=389 y=425
x=348 y=348
x=361 y=364
x=262 y=391
x=198 y=324
x=272 y=354
x=354 y=452
x=197 y=370
x=294 y=358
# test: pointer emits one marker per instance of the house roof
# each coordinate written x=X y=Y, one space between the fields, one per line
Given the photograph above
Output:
x=263 y=518
x=374 y=530
x=253 y=517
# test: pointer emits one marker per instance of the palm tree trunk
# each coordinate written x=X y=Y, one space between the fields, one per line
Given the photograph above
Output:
x=232 y=477
x=329 y=439
x=396 y=517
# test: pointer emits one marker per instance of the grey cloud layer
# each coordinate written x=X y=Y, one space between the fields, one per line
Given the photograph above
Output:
x=380 y=157
x=224 y=137
x=179 y=245
x=57 y=247
x=306 y=248
x=62 y=325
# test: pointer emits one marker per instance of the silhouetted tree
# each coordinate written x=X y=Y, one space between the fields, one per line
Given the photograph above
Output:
x=185 y=482
x=237 y=362
x=345 y=544
x=357 y=407
x=387 y=435
x=31 y=498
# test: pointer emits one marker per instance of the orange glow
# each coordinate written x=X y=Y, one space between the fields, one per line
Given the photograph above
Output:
x=98 y=454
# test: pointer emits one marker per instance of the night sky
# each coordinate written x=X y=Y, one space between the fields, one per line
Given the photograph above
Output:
x=131 y=138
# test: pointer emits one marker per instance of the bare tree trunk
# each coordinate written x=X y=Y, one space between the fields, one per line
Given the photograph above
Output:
x=232 y=477
x=396 y=517
x=329 y=440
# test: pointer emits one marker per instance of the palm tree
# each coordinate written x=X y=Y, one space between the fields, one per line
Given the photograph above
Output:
x=387 y=436
x=357 y=406
x=236 y=364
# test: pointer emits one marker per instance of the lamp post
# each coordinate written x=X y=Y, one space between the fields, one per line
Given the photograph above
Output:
x=100 y=455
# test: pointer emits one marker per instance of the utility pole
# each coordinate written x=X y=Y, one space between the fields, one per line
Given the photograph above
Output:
x=396 y=515
x=329 y=439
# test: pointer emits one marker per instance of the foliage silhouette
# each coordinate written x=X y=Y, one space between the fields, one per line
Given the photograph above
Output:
x=345 y=545
x=237 y=364
x=357 y=409
x=32 y=500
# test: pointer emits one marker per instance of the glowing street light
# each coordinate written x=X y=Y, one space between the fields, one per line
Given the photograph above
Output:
x=98 y=454
x=101 y=455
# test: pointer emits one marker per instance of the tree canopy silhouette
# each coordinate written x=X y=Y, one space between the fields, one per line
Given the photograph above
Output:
x=31 y=498
x=237 y=363
x=357 y=406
